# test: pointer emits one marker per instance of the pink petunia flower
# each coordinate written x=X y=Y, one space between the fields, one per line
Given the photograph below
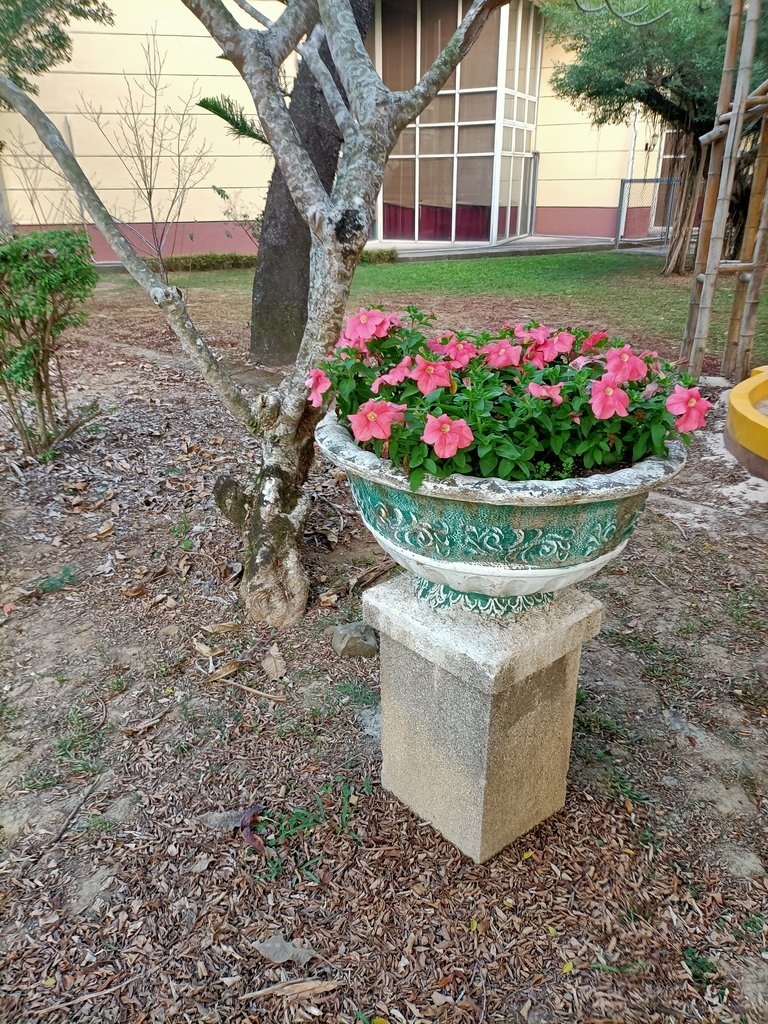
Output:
x=551 y=391
x=558 y=343
x=439 y=344
x=367 y=324
x=318 y=383
x=539 y=334
x=446 y=435
x=592 y=340
x=520 y=332
x=690 y=408
x=430 y=376
x=625 y=365
x=375 y=419
x=460 y=352
x=607 y=398
x=500 y=354
x=395 y=376
x=358 y=344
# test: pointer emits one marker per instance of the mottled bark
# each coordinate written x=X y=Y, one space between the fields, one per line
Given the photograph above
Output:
x=281 y=284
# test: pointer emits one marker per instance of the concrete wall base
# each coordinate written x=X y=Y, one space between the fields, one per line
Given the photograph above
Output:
x=477 y=713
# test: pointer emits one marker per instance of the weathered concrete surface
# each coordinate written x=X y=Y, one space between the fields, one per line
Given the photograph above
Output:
x=477 y=714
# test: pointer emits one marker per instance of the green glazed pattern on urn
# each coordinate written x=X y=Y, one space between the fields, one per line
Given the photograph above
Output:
x=461 y=531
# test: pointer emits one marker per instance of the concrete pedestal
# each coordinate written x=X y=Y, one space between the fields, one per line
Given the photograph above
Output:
x=477 y=713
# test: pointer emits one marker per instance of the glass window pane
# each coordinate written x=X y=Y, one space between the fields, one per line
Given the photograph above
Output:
x=473 y=198
x=435 y=200
x=510 y=108
x=438 y=23
x=514 y=15
x=505 y=175
x=399 y=199
x=435 y=140
x=406 y=144
x=398 y=44
x=480 y=66
x=526 y=54
x=477 y=106
x=442 y=108
x=520 y=110
x=533 y=69
x=514 y=201
x=507 y=139
x=476 y=139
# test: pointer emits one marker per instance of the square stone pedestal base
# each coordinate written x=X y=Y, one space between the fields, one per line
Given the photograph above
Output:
x=477 y=713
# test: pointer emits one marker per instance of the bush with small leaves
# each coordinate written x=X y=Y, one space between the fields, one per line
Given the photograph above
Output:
x=45 y=278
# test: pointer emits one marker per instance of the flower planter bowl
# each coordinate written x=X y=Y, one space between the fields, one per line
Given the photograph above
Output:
x=491 y=545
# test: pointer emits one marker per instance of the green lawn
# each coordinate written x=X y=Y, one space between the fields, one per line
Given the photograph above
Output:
x=622 y=290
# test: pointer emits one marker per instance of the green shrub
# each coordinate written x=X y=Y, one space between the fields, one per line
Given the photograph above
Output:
x=45 y=278
x=187 y=262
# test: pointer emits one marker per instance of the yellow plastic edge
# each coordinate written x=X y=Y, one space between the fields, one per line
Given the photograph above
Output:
x=746 y=424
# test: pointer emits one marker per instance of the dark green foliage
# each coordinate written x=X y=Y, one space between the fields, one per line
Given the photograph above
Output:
x=672 y=67
x=33 y=35
x=45 y=278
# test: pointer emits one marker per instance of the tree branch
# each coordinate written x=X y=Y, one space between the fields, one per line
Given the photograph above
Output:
x=297 y=20
x=168 y=299
x=626 y=16
x=257 y=16
x=409 y=104
x=251 y=52
x=358 y=75
x=310 y=51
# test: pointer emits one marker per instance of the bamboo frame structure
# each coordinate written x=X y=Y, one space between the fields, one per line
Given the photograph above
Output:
x=736 y=107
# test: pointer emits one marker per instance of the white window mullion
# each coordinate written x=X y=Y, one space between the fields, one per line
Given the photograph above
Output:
x=379 y=59
x=500 y=93
x=417 y=129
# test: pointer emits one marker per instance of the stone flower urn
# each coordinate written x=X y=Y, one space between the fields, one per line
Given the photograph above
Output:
x=481 y=640
x=495 y=546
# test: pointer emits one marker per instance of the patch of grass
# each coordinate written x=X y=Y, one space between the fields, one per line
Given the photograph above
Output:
x=621 y=785
x=659 y=664
x=38 y=779
x=96 y=823
x=358 y=692
x=119 y=684
x=742 y=606
x=597 y=722
x=702 y=970
x=181 y=531
x=9 y=711
x=81 y=743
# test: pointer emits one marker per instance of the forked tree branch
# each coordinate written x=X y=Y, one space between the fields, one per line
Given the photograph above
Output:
x=167 y=299
x=251 y=11
x=310 y=51
x=297 y=20
x=358 y=75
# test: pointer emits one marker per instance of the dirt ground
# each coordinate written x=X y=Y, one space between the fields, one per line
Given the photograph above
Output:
x=133 y=742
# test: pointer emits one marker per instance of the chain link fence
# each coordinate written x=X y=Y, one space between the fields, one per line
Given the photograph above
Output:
x=646 y=210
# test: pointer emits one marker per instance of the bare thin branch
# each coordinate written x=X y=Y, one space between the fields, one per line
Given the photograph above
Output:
x=626 y=16
x=169 y=300
x=257 y=16
x=310 y=51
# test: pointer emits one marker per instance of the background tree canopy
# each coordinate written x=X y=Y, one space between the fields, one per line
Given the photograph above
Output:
x=33 y=36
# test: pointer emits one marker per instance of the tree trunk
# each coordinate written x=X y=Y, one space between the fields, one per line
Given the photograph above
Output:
x=275 y=585
x=685 y=212
x=281 y=284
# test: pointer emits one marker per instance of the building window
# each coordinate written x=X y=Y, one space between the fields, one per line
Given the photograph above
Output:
x=465 y=171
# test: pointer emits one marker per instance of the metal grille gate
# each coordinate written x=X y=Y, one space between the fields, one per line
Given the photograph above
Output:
x=646 y=210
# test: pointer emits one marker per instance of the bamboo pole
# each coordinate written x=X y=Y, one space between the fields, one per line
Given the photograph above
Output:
x=722 y=205
x=713 y=177
x=749 y=318
x=747 y=254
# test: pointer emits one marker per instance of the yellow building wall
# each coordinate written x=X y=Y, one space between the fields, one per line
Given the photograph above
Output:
x=581 y=166
x=103 y=57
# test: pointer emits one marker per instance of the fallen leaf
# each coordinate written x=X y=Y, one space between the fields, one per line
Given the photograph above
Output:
x=104 y=531
x=628 y=805
x=527 y=854
x=229 y=668
x=279 y=951
x=201 y=863
x=222 y=627
x=329 y=599
x=134 y=590
x=568 y=967
x=295 y=989
x=273 y=663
